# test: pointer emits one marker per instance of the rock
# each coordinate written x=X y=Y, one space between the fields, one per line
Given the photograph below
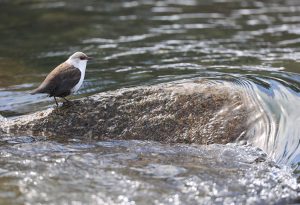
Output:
x=141 y=172
x=191 y=111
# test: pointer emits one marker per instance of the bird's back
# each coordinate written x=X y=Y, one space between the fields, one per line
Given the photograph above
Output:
x=59 y=81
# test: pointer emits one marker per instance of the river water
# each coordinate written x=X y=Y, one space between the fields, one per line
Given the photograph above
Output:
x=255 y=44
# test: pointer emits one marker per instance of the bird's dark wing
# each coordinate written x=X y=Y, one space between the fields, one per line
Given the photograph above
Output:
x=60 y=81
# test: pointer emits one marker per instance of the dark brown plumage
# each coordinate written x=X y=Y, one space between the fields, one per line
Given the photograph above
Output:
x=65 y=78
x=60 y=81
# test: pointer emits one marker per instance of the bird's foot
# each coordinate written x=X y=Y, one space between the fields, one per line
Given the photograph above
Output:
x=67 y=104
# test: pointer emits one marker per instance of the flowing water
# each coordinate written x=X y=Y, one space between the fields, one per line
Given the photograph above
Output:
x=255 y=44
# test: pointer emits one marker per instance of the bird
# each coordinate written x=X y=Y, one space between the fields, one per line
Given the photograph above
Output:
x=66 y=78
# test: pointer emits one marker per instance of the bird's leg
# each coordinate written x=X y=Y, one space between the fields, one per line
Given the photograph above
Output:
x=68 y=101
x=55 y=101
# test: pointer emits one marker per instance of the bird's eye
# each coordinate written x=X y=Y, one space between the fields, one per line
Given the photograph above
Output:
x=82 y=57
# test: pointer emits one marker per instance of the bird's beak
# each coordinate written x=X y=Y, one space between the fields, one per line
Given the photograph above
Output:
x=89 y=58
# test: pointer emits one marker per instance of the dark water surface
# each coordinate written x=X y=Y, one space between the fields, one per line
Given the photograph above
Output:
x=256 y=43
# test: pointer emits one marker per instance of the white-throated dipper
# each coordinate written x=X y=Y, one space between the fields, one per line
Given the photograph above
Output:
x=66 y=78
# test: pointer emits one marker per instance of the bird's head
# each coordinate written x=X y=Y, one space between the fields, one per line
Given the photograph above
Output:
x=78 y=59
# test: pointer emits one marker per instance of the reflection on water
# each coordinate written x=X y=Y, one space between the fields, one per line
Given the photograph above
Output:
x=274 y=125
x=144 y=42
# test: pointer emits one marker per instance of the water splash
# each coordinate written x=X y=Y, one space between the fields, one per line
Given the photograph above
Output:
x=131 y=172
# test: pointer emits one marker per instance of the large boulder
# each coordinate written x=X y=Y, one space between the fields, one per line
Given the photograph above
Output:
x=199 y=111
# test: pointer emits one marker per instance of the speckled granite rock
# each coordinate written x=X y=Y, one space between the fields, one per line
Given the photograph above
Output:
x=199 y=111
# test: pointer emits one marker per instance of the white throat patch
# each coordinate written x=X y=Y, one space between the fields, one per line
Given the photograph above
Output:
x=81 y=65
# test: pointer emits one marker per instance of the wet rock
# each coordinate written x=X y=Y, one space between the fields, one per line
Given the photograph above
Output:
x=198 y=111
x=193 y=111
x=142 y=172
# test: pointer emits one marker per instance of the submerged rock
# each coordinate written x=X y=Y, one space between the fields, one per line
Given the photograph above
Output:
x=199 y=111
x=138 y=172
